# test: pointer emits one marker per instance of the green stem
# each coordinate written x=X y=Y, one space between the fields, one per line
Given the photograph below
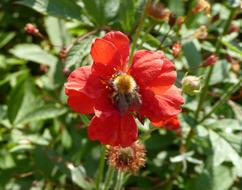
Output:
x=109 y=177
x=138 y=30
x=210 y=71
x=119 y=181
x=231 y=90
x=100 y=168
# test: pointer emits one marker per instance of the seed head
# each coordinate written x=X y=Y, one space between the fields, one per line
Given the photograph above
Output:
x=129 y=159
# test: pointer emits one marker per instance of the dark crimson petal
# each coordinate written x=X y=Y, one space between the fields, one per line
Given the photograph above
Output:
x=147 y=66
x=114 y=130
x=107 y=59
x=79 y=102
x=159 y=107
x=121 y=41
x=83 y=81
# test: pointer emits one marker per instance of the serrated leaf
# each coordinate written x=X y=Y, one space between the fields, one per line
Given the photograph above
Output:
x=191 y=50
x=57 y=32
x=127 y=14
x=33 y=53
x=78 y=52
x=223 y=151
x=43 y=113
x=59 y=8
x=222 y=69
x=79 y=176
x=102 y=11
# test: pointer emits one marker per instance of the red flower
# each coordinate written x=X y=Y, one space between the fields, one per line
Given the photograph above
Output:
x=113 y=91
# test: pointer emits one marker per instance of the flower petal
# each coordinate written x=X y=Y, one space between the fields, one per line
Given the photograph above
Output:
x=82 y=80
x=107 y=59
x=147 y=65
x=159 y=107
x=170 y=124
x=121 y=41
x=114 y=130
x=165 y=79
x=79 y=102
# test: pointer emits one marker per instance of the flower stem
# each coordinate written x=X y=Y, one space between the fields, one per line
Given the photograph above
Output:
x=100 y=168
x=119 y=181
x=109 y=177
x=138 y=30
x=230 y=91
x=210 y=71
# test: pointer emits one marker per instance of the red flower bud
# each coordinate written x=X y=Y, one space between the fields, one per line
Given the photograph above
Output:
x=233 y=28
x=31 y=29
x=176 y=49
x=210 y=60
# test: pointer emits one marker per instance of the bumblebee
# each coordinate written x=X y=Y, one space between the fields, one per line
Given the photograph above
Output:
x=125 y=94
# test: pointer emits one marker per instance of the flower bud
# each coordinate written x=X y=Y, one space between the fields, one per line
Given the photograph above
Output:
x=157 y=11
x=191 y=85
x=63 y=54
x=128 y=159
x=31 y=29
x=202 y=5
x=180 y=20
x=210 y=60
x=176 y=49
x=172 y=20
x=201 y=32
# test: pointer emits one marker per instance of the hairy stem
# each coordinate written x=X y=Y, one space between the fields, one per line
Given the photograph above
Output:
x=100 y=168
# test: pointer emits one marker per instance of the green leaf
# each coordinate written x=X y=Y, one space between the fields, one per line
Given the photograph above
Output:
x=16 y=99
x=102 y=11
x=227 y=125
x=5 y=38
x=33 y=53
x=214 y=178
x=78 y=52
x=79 y=176
x=127 y=14
x=191 y=50
x=59 y=8
x=223 y=151
x=222 y=69
x=57 y=32
x=43 y=113
x=177 y=7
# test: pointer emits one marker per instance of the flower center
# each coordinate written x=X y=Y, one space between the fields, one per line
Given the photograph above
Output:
x=125 y=93
x=124 y=84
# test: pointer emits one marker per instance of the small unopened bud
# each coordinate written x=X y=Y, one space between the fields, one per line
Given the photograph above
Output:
x=201 y=32
x=202 y=5
x=172 y=20
x=233 y=28
x=128 y=159
x=210 y=60
x=176 y=49
x=63 y=54
x=66 y=71
x=191 y=85
x=157 y=11
x=180 y=20
x=44 y=68
x=31 y=29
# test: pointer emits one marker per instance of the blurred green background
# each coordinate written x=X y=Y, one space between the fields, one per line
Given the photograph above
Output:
x=43 y=144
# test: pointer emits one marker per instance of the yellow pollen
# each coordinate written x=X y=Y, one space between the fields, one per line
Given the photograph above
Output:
x=124 y=84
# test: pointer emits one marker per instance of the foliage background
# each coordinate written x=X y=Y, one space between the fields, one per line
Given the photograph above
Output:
x=43 y=144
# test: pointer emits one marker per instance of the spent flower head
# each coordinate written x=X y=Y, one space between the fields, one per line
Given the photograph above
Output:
x=128 y=159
